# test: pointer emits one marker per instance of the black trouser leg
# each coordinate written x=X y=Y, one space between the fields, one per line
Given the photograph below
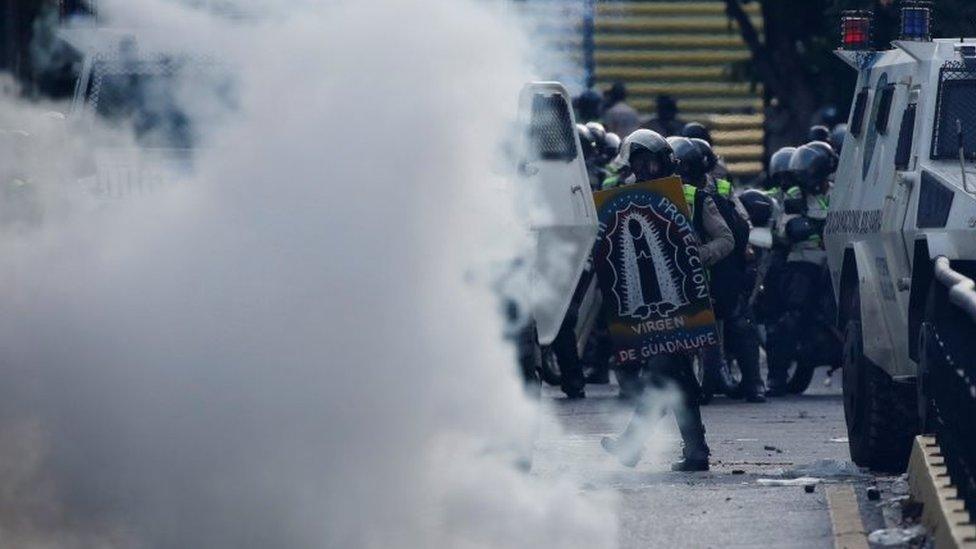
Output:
x=688 y=412
x=629 y=380
x=598 y=352
x=570 y=367
x=665 y=371
x=800 y=283
x=742 y=343
x=780 y=350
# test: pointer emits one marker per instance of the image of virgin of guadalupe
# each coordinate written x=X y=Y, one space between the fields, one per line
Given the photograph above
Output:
x=649 y=281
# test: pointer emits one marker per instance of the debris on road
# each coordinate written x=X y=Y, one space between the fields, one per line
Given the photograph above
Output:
x=738 y=472
x=809 y=488
x=827 y=469
x=897 y=537
x=772 y=449
x=801 y=481
x=900 y=487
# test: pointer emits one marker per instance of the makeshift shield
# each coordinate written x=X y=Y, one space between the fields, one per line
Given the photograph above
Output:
x=655 y=287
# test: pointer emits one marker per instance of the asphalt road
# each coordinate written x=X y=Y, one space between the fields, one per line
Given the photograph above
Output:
x=728 y=506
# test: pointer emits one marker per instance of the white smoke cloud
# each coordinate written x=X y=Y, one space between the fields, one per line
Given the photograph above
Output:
x=284 y=351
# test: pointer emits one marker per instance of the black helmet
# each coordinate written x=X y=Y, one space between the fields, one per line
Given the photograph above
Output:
x=696 y=130
x=647 y=154
x=710 y=159
x=692 y=165
x=811 y=167
x=800 y=228
x=586 y=141
x=779 y=169
x=759 y=206
x=829 y=151
x=837 y=137
x=818 y=133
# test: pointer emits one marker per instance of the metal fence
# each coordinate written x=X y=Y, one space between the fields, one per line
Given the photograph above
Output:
x=949 y=376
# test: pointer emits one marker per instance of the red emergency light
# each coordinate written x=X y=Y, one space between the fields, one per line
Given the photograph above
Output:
x=855 y=29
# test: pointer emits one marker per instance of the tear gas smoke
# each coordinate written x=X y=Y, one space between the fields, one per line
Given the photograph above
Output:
x=283 y=351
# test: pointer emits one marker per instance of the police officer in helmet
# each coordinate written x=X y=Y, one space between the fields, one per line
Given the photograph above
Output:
x=803 y=280
x=779 y=179
x=733 y=281
x=696 y=130
x=649 y=156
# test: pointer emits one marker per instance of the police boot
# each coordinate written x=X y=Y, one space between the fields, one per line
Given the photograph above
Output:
x=690 y=465
x=695 y=450
x=715 y=377
x=752 y=388
x=777 y=378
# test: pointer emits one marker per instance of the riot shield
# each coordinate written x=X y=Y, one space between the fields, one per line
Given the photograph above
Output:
x=561 y=215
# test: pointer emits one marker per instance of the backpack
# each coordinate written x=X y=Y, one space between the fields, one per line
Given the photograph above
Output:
x=728 y=276
x=739 y=226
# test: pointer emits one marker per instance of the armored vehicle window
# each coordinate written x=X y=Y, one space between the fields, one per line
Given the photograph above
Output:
x=857 y=117
x=551 y=132
x=906 y=137
x=884 y=109
x=152 y=96
x=147 y=102
x=956 y=107
x=934 y=203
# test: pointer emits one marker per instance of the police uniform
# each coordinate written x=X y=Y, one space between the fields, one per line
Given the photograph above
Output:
x=801 y=282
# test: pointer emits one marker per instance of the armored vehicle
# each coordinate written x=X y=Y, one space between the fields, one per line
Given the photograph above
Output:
x=902 y=225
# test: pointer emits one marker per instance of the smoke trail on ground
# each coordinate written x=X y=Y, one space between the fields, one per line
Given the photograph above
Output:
x=283 y=351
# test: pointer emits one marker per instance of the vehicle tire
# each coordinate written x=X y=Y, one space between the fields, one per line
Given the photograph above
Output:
x=800 y=378
x=881 y=414
x=549 y=367
x=530 y=360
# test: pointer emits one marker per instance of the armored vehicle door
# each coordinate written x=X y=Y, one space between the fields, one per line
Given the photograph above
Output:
x=559 y=203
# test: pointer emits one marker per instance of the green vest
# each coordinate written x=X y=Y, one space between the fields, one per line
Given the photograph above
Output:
x=691 y=193
x=724 y=188
x=610 y=182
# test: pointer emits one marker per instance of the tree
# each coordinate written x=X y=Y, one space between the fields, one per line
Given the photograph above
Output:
x=793 y=58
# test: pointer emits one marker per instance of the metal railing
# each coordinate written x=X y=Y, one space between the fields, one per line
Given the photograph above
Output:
x=949 y=371
x=962 y=289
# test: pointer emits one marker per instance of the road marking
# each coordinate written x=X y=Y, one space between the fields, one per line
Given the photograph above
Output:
x=845 y=517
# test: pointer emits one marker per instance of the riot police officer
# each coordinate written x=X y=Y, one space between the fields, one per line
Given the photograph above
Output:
x=649 y=156
x=740 y=336
x=801 y=226
x=779 y=183
x=697 y=130
x=591 y=151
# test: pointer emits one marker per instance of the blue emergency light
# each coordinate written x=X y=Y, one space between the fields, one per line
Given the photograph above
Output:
x=916 y=20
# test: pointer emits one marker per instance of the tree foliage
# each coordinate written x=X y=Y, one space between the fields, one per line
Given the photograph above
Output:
x=793 y=55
